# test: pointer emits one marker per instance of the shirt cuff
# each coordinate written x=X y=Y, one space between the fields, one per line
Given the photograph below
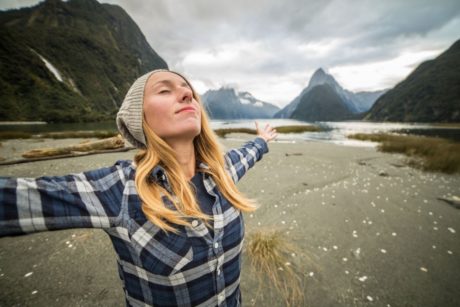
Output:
x=261 y=144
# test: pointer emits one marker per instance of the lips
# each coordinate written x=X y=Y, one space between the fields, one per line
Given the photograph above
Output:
x=187 y=109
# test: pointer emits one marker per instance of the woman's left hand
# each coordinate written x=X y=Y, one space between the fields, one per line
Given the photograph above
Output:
x=268 y=133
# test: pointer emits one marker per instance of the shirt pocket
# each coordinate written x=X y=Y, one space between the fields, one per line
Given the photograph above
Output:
x=159 y=252
x=234 y=230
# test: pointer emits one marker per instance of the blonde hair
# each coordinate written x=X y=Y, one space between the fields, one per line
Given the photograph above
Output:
x=207 y=150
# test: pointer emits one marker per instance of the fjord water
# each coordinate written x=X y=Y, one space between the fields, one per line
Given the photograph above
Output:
x=334 y=132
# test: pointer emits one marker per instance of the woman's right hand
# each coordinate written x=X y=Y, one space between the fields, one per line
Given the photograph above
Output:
x=268 y=133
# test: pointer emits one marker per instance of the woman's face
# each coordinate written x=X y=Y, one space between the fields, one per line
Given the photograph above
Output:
x=166 y=95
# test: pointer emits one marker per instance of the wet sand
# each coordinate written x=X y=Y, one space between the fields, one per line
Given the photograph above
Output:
x=373 y=230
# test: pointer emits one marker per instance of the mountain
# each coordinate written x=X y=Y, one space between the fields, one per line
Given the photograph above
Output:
x=321 y=103
x=355 y=102
x=69 y=61
x=226 y=103
x=431 y=93
x=365 y=100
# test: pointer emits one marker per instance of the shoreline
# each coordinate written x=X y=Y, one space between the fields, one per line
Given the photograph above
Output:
x=367 y=226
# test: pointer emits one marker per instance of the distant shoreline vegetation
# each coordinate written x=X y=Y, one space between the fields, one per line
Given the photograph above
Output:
x=8 y=135
x=426 y=153
x=222 y=132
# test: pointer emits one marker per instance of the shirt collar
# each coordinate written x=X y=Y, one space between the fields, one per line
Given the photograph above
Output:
x=203 y=165
x=159 y=175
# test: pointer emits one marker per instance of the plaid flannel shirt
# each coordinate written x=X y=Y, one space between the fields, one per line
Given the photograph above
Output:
x=162 y=269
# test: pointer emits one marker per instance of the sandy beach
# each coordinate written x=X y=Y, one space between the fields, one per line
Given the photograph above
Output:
x=371 y=231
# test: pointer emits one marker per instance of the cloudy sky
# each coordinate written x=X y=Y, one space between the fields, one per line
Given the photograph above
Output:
x=271 y=48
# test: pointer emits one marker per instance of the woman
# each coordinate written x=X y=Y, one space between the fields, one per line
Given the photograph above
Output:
x=173 y=214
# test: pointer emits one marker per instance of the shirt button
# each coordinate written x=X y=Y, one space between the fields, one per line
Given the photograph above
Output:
x=216 y=245
x=194 y=223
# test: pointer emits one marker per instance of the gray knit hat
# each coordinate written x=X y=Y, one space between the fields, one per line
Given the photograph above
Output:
x=130 y=115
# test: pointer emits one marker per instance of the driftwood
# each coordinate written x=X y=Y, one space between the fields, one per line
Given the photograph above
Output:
x=454 y=201
x=110 y=143
x=72 y=155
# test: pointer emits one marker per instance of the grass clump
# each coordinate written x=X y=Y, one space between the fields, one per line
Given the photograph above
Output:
x=373 y=137
x=298 y=129
x=224 y=131
x=281 y=129
x=270 y=256
x=426 y=153
x=8 y=135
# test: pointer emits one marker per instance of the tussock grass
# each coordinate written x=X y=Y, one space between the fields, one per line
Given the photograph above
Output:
x=298 y=129
x=7 y=135
x=373 y=137
x=271 y=257
x=426 y=153
x=281 y=129
x=224 y=131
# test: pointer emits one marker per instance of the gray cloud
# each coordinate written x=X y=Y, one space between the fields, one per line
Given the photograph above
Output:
x=263 y=45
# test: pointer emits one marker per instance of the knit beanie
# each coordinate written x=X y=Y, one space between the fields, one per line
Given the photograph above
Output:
x=130 y=115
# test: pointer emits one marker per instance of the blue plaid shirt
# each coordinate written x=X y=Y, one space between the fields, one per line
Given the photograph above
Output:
x=189 y=268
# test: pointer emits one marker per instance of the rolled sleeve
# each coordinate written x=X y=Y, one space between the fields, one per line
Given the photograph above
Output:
x=239 y=161
x=85 y=200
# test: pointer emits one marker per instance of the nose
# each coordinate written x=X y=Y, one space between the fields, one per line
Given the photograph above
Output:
x=185 y=95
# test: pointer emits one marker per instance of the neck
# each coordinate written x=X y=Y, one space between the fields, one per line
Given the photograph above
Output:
x=185 y=155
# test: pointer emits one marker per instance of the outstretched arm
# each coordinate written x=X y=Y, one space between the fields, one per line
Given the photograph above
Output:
x=85 y=200
x=239 y=161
